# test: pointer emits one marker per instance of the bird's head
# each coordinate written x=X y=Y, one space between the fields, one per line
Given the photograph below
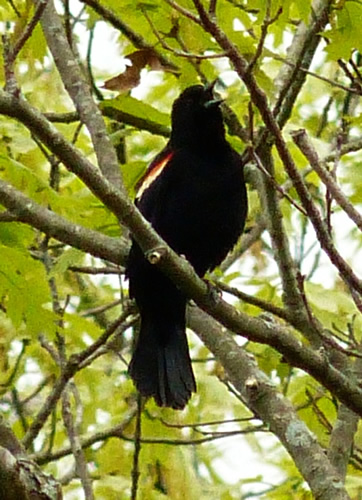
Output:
x=197 y=118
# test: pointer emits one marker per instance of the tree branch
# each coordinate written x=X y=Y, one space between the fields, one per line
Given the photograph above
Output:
x=29 y=28
x=80 y=92
x=306 y=147
x=20 y=477
x=75 y=363
x=77 y=450
x=343 y=433
x=294 y=71
x=272 y=214
x=25 y=210
x=272 y=408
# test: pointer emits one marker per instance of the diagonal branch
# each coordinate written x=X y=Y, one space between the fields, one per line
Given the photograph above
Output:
x=301 y=140
x=272 y=408
x=29 y=29
x=74 y=364
x=23 y=209
x=294 y=71
x=80 y=92
x=287 y=267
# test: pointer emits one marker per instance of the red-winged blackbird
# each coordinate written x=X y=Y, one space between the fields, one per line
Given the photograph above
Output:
x=194 y=195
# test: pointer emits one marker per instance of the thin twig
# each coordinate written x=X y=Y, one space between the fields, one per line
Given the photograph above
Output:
x=212 y=7
x=11 y=2
x=135 y=474
x=176 y=52
x=96 y=270
x=206 y=424
x=184 y=11
x=38 y=389
x=318 y=412
x=306 y=147
x=100 y=309
x=276 y=185
x=135 y=38
x=83 y=355
x=17 y=405
x=70 y=368
x=308 y=72
x=44 y=458
x=39 y=9
x=77 y=450
x=96 y=90
x=255 y=301
x=100 y=436
x=13 y=374
x=197 y=441
x=264 y=31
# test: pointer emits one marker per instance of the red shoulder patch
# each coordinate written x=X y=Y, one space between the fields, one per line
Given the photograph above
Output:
x=152 y=173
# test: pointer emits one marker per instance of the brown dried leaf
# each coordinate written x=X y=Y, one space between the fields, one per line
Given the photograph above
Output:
x=131 y=77
x=124 y=81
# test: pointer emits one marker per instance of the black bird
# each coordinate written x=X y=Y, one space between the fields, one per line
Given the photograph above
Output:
x=194 y=195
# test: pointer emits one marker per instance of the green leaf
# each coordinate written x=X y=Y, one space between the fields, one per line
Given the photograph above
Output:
x=345 y=35
x=24 y=283
x=136 y=108
x=14 y=234
x=70 y=257
x=26 y=180
x=132 y=173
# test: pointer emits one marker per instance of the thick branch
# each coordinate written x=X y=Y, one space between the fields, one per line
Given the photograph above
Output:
x=272 y=213
x=28 y=211
x=21 y=478
x=80 y=93
x=293 y=73
x=342 y=439
x=272 y=408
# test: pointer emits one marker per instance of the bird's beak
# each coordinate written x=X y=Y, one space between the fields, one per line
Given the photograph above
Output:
x=209 y=87
x=213 y=103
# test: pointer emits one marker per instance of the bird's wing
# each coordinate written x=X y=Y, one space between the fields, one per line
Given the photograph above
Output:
x=153 y=171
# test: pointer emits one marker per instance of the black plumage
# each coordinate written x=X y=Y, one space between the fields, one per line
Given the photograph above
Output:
x=194 y=195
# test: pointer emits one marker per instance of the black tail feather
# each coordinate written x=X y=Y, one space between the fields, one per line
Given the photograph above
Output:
x=161 y=364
